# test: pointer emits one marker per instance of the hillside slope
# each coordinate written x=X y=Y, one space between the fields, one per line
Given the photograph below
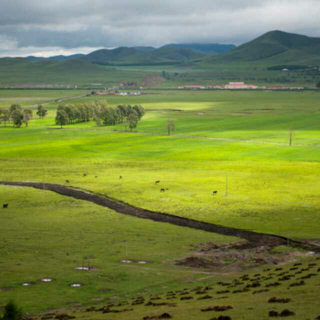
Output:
x=205 y=48
x=273 y=47
x=127 y=56
x=56 y=58
x=106 y=55
x=77 y=71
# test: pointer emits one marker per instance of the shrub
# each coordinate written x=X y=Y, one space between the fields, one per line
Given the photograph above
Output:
x=12 y=312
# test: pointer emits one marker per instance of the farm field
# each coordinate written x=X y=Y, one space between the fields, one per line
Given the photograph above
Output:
x=31 y=98
x=235 y=143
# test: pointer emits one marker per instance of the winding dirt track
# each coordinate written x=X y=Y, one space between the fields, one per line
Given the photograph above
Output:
x=255 y=239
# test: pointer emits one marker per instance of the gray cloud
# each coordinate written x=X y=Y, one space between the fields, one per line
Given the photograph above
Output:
x=68 y=25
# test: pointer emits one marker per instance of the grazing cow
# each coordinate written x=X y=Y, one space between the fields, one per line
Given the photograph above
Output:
x=67 y=181
x=5 y=205
x=158 y=181
x=96 y=176
x=84 y=174
x=214 y=192
x=162 y=190
x=120 y=177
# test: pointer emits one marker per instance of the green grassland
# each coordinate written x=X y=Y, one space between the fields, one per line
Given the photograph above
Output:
x=21 y=72
x=53 y=74
x=56 y=234
x=32 y=98
x=269 y=182
x=239 y=137
x=303 y=300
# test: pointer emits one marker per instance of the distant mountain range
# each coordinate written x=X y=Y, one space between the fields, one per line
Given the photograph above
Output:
x=273 y=49
x=56 y=58
x=170 y=53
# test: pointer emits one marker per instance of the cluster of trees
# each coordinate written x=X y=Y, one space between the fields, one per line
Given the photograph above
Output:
x=100 y=113
x=16 y=115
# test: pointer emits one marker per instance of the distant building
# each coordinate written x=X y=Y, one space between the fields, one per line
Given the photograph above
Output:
x=192 y=87
x=105 y=93
x=128 y=84
x=219 y=86
x=240 y=85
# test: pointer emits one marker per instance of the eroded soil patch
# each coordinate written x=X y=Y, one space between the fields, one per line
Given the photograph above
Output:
x=238 y=256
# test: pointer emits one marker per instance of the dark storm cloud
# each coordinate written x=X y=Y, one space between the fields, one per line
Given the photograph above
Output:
x=75 y=24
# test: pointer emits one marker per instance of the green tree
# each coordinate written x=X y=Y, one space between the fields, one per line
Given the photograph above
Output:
x=62 y=118
x=139 y=110
x=17 y=117
x=13 y=108
x=121 y=111
x=318 y=84
x=133 y=120
x=4 y=116
x=109 y=116
x=12 y=312
x=27 y=116
x=41 y=111
x=71 y=112
x=171 y=127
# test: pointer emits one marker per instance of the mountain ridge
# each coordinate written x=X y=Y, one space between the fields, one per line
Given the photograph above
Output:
x=207 y=48
x=271 y=45
x=270 y=49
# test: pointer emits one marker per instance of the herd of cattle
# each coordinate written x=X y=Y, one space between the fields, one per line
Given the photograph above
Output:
x=5 y=205
x=156 y=182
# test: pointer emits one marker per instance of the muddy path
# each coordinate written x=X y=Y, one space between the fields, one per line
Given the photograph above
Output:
x=254 y=239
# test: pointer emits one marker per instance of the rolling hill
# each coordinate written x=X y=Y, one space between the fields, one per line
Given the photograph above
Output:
x=106 y=55
x=131 y=56
x=144 y=48
x=205 y=48
x=72 y=72
x=271 y=48
x=56 y=58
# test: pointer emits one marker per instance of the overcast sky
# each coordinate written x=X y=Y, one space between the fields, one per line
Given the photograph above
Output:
x=51 y=27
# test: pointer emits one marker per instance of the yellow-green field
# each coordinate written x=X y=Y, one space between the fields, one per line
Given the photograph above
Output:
x=236 y=143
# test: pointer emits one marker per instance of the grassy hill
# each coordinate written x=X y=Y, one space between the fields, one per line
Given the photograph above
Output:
x=56 y=58
x=206 y=48
x=72 y=72
x=131 y=56
x=105 y=55
x=274 y=47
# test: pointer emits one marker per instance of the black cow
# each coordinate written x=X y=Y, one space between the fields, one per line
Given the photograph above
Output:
x=120 y=177
x=214 y=192
x=158 y=181
x=5 y=205
x=67 y=181
x=162 y=190
x=84 y=174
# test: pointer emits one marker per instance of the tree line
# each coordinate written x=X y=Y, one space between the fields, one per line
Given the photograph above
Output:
x=101 y=113
x=17 y=116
